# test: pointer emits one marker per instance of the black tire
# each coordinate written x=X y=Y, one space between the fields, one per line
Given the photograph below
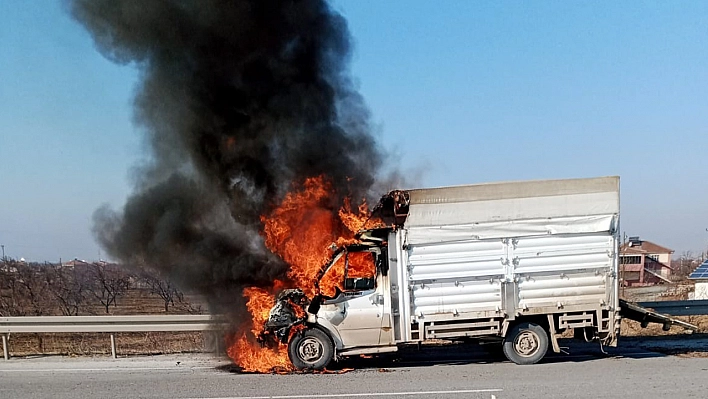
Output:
x=311 y=349
x=525 y=343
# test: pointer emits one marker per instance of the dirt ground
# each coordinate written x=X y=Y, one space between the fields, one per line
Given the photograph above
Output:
x=633 y=328
x=140 y=301
x=91 y=344
x=137 y=301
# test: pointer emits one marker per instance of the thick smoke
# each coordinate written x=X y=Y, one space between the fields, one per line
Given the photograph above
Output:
x=239 y=101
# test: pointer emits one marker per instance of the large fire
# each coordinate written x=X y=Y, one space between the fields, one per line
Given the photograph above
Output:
x=301 y=230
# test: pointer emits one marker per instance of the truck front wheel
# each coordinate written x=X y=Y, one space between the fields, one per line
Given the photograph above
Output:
x=526 y=343
x=311 y=349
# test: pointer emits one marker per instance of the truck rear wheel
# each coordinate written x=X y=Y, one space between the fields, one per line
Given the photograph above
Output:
x=526 y=343
x=311 y=349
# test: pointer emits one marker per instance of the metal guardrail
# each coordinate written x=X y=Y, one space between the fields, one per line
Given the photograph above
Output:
x=678 y=308
x=145 y=323
x=104 y=324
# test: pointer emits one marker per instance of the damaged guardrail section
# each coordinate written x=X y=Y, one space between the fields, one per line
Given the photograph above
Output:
x=105 y=324
x=678 y=308
x=644 y=314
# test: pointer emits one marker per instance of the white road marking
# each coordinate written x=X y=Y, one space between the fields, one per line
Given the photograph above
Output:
x=346 y=395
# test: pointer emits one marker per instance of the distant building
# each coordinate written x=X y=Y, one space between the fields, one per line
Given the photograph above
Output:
x=75 y=263
x=8 y=268
x=644 y=263
x=700 y=276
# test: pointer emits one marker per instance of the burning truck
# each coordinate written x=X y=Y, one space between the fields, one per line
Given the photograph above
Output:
x=256 y=136
x=516 y=263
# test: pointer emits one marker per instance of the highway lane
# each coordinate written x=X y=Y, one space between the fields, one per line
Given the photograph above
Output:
x=447 y=373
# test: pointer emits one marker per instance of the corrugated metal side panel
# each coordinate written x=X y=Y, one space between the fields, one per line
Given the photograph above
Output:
x=456 y=260
x=566 y=270
x=455 y=277
x=511 y=228
x=460 y=296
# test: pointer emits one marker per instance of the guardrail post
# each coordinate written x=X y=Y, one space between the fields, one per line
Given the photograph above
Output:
x=5 y=347
x=217 y=343
x=113 y=346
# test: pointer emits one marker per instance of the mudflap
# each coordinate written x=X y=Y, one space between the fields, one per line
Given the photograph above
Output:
x=632 y=311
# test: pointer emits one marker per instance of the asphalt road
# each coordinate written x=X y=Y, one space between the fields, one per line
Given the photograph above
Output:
x=446 y=373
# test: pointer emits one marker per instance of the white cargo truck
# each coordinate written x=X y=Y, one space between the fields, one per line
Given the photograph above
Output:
x=519 y=262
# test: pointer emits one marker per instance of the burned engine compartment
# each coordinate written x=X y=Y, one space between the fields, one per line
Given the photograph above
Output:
x=288 y=312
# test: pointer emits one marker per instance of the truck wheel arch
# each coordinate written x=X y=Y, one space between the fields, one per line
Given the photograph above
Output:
x=507 y=325
x=329 y=329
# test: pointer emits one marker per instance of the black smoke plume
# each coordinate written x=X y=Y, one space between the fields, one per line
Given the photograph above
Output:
x=239 y=100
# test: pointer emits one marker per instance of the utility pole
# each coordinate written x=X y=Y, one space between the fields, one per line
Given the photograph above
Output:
x=3 y=253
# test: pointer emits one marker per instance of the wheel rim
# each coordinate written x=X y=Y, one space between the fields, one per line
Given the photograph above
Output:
x=310 y=350
x=527 y=343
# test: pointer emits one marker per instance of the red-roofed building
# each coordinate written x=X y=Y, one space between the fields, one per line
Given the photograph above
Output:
x=644 y=263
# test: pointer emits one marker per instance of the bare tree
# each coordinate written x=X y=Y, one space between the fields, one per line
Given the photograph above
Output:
x=192 y=308
x=684 y=265
x=165 y=289
x=8 y=290
x=68 y=286
x=24 y=289
x=109 y=282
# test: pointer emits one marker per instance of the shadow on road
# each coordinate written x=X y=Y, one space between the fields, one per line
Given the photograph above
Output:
x=574 y=351
x=693 y=345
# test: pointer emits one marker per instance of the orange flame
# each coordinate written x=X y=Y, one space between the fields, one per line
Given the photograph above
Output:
x=301 y=230
x=245 y=351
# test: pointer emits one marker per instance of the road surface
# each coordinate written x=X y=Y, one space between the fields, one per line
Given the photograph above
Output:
x=446 y=373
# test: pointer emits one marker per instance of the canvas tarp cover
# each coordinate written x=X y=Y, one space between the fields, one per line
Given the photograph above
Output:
x=513 y=209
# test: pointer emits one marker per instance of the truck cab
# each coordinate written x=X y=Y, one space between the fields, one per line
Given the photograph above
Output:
x=353 y=309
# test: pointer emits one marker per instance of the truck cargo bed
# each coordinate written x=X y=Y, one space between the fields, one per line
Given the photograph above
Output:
x=507 y=250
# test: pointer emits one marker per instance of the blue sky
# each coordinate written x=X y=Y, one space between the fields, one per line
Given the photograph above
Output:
x=466 y=91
